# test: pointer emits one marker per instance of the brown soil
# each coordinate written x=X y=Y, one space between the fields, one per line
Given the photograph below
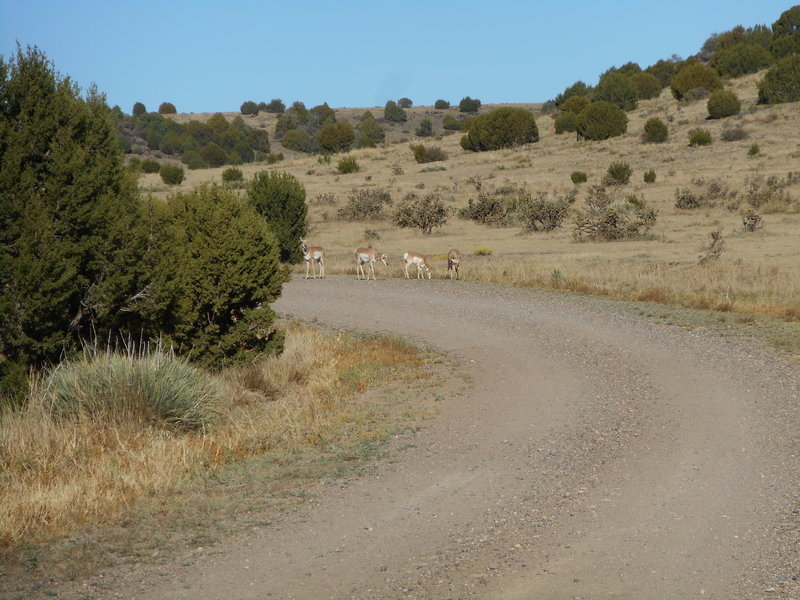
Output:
x=583 y=453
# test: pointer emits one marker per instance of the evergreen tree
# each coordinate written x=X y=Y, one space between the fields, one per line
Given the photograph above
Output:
x=218 y=269
x=70 y=241
x=281 y=199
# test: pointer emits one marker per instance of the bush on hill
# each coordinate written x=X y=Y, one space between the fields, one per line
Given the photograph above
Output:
x=167 y=108
x=601 y=120
x=723 y=103
x=741 y=59
x=469 y=105
x=655 y=131
x=504 y=127
x=618 y=89
x=781 y=83
x=693 y=76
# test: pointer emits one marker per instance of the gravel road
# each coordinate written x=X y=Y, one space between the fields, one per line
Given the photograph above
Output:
x=590 y=454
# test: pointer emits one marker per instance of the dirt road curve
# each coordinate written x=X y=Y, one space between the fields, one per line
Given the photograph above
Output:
x=592 y=455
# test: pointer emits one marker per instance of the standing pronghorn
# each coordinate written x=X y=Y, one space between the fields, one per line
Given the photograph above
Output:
x=453 y=260
x=313 y=254
x=413 y=258
x=371 y=256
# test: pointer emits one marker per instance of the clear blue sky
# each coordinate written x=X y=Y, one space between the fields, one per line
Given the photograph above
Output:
x=211 y=56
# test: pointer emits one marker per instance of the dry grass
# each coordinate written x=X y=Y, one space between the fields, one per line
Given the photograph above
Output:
x=758 y=270
x=58 y=475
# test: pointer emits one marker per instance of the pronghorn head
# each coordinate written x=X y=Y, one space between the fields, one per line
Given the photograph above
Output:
x=385 y=259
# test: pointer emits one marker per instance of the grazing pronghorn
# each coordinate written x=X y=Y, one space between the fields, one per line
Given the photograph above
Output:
x=453 y=259
x=413 y=258
x=371 y=256
x=313 y=254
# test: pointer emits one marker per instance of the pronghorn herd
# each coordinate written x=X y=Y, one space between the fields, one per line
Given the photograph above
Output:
x=316 y=255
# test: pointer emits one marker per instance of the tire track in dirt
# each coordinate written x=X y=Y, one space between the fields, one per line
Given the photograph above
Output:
x=592 y=455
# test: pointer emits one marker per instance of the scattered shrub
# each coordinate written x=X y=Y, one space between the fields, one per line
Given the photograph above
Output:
x=504 y=127
x=405 y=103
x=426 y=154
x=655 y=131
x=273 y=158
x=782 y=82
x=714 y=249
x=491 y=208
x=138 y=109
x=167 y=108
x=616 y=88
x=566 y=122
x=336 y=137
x=619 y=173
x=193 y=160
x=741 y=59
x=249 y=108
x=733 y=134
x=692 y=76
x=579 y=88
x=469 y=105
x=365 y=203
x=578 y=177
x=451 y=123
x=275 y=105
x=348 y=165
x=370 y=133
x=754 y=150
x=723 y=103
x=483 y=252
x=393 y=112
x=574 y=104
x=542 y=213
x=601 y=120
x=647 y=85
x=423 y=213
x=604 y=219
x=425 y=128
x=441 y=104
x=171 y=174
x=299 y=140
x=150 y=166
x=686 y=199
x=699 y=137
x=650 y=176
x=232 y=175
x=751 y=220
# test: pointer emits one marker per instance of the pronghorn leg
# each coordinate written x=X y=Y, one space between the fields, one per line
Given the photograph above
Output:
x=307 y=268
x=322 y=269
x=406 y=268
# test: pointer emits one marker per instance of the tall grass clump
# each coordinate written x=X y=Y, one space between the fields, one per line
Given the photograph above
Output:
x=151 y=387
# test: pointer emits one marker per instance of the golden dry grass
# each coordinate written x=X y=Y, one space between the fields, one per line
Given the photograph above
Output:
x=758 y=271
x=58 y=475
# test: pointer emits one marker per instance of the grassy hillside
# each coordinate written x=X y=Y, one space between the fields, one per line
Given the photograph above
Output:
x=757 y=270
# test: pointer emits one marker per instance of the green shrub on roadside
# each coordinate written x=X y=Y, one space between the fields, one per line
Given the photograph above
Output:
x=650 y=176
x=133 y=388
x=426 y=154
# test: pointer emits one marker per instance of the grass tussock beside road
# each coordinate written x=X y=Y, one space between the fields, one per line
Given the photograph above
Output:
x=63 y=469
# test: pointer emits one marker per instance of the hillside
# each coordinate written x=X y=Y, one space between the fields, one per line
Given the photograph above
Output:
x=756 y=270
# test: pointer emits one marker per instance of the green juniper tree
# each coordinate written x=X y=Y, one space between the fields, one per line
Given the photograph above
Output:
x=70 y=244
x=281 y=199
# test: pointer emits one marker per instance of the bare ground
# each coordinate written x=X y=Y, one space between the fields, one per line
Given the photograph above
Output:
x=584 y=453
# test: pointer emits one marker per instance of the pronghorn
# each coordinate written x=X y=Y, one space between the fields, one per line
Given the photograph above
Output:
x=413 y=258
x=371 y=256
x=312 y=254
x=453 y=259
